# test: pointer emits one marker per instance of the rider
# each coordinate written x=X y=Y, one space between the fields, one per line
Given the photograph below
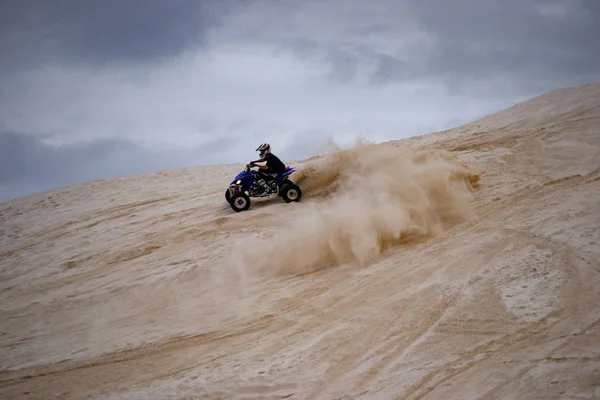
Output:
x=273 y=165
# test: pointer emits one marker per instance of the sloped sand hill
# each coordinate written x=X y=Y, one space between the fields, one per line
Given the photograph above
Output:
x=456 y=265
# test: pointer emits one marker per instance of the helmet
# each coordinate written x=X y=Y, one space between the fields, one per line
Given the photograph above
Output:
x=264 y=149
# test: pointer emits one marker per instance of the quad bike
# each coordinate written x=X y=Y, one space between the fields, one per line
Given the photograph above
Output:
x=251 y=183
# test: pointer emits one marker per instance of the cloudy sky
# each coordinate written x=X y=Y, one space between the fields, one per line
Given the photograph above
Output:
x=97 y=89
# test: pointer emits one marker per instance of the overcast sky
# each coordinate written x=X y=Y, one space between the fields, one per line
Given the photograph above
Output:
x=97 y=89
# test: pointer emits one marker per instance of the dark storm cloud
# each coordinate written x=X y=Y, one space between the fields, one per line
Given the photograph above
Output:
x=473 y=40
x=28 y=165
x=26 y=158
x=100 y=32
x=344 y=65
x=391 y=69
x=537 y=45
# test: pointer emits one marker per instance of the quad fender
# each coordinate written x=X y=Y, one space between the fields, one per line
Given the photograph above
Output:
x=283 y=184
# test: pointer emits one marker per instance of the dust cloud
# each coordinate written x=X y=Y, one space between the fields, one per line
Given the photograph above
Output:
x=361 y=201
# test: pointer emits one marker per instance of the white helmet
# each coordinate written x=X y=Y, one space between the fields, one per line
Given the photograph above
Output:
x=264 y=149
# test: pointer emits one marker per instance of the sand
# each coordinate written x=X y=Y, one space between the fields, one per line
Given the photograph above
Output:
x=460 y=264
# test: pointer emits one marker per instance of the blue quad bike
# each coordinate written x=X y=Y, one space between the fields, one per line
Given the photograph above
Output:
x=251 y=183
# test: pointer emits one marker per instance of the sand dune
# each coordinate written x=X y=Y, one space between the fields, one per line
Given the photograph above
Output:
x=456 y=265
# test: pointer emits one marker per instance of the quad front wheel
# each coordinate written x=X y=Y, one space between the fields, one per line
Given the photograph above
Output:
x=240 y=202
x=291 y=193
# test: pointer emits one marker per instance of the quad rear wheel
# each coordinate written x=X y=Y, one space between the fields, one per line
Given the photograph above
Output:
x=291 y=192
